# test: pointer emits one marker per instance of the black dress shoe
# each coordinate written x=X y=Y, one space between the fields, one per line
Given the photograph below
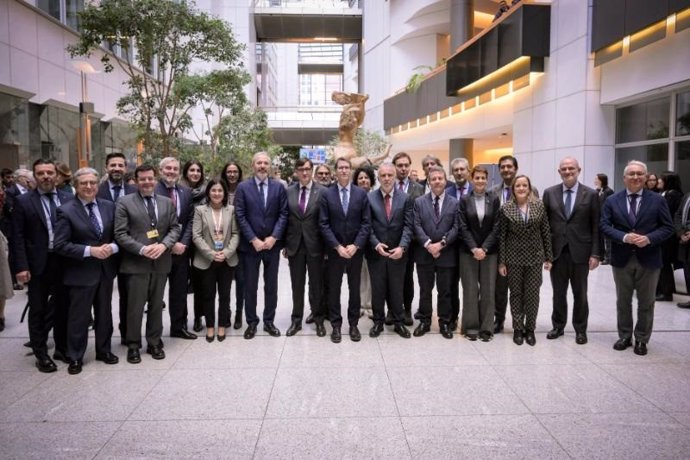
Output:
x=74 y=367
x=238 y=322
x=517 y=338
x=622 y=344
x=156 y=351
x=664 y=298
x=108 y=358
x=580 y=338
x=271 y=329
x=45 y=364
x=498 y=327
x=310 y=318
x=640 y=348
x=389 y=319
x=60 y=356
x=18 y=287
x=221 y=337
x=402 y=331
x=198 y=327
x=294 y=328
x=250 y=332
x=446 y=332
x=336 y=337
x=408 y=318
x=454 y=325
x=320 y=328
x=554 y=333
x=210 y=338
x=183 y=334
x=471 y=337
x=421 y=329
x=2 y=324
x=355 y=336
x=133 y=356
x=530 y=338
x=27 y=344
x=485 y=336
x=683 y=304
x=376 y=330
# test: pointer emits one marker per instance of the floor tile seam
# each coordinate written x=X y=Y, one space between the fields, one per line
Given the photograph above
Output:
x=110 y=438
x=510 y=387
x=563 y=448
x=268 y=400
x=395 y=399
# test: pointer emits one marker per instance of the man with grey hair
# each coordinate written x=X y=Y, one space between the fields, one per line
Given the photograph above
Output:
x=84 y=236
x=428 y=161
x=637 y=221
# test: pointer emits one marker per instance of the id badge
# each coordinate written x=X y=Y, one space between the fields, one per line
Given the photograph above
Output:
x=218 y=245
x=152 y=234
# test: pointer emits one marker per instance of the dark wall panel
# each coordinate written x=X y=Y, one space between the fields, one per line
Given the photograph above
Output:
x=642 y=13
x=608 y=22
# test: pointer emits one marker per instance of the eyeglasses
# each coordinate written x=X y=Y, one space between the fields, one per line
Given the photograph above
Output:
x=323 y=173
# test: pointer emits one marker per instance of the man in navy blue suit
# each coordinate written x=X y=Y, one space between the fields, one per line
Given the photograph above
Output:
x=345 y=225
x=33 y=225
x=262 y=213
x=84 y=236
x=181 y=196
x=637 y=221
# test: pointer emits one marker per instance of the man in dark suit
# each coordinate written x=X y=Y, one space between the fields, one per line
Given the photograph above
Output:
x=637 y=221
x=146 y=230
x=112 y=189
x=345 y=225
x=681 y=223
x=403 y=183
x=181 y=196
x=304 y=246
x=22 y=183
x=436 y=230
x=573 y=212
x=262 y=214
x=387 y=251
x=33 y=224
x=84 y=236
x=428 y=161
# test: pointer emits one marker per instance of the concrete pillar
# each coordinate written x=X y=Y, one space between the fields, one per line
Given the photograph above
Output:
x=460 y=148
x=461 y=22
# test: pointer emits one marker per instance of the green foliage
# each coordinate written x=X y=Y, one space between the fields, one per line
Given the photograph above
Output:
x=286 y=157
x=167 y=36
x=417 y=78
x=242 y=134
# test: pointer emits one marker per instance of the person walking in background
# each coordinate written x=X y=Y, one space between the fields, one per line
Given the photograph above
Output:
x=525 y=245
x=671 y=190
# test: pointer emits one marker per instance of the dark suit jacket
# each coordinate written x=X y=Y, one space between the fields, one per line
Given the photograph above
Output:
x=254 y=220
x=452 y=188
x=472 y=234
x=104 y=191
x=524 y=243
x=30 y=232
x=581 y=231
x=132 y=223
x=653 y=221
x=681 y=228
x=414 y=190
x=339 y=229
x=74 y=232
x=497 y=189
x=394 y=232
x=185 y=216
x=304 y=228
x=428 y=227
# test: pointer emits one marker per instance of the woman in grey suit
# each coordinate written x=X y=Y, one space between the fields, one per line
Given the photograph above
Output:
x=478 y=217
x=525 y=245
x=216 y=236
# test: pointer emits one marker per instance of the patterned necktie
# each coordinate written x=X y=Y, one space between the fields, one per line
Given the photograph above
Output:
x=53 y=207
x=263 y=196
x=401 y=186
x=116 y=192
x=94 y=220
x=303 y=200
x=151 y=210
x=568 y=203
x=345 y=201
x=387 y=205
x=437 y=209
x=173 y=197
x=632 y=212
x=507 y=194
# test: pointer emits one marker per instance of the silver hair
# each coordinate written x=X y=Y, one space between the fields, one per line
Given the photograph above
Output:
x=23 y=172
x=167 y=160
x=634 y=163
x=577 y=163
x=387 y=164
x=83 y=172
x=459 y=160
x=258 y=154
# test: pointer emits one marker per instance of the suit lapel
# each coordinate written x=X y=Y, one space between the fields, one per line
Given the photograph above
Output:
x=38 y=206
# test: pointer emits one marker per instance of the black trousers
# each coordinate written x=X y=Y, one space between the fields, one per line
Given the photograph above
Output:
x=81 y=299
x=565 y=272
x=353 y=268
x=239 y=287
x=455 y=295
x=48 y=304
x=122 y=291
x=177 y=292
x=501 y=297
x=385 y=277
x=197 y=292
x=251 y=264
x=441 y=276
x=302 y=263
x=408 y=280
x=217 y=278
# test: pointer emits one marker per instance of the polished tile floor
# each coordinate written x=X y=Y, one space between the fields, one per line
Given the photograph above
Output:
x=304 y=397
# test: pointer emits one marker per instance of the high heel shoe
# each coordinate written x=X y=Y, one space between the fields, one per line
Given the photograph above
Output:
x=221 y=337
x=212 y=337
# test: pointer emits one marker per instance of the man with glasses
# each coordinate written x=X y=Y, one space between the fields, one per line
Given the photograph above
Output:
x=637 y=221
x=323 y=175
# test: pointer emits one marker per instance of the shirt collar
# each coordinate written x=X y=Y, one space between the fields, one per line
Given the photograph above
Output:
x=347 y=187
x=308 y=186
x=628 y=193
x=112 y=184
x=573 y=188
x=45 y=193
x=21 y=188
x=257 y=181
x=84 y=203
x=440 y=197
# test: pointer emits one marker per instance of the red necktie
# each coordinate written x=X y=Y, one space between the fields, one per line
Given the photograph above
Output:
x=173 y=197
x=401 y=187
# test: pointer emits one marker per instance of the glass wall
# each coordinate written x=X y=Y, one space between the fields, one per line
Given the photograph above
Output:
x=316 y=89
x=65 y=11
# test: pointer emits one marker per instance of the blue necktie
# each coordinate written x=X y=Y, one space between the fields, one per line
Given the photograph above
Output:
x=344 y=200
x=632 y=213
x=568 y=203
x=261 y=192
x=94 y=220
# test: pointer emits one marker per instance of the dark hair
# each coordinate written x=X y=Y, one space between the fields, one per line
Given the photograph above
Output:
x=671 y=181
x=400 y=155
x=434 y=169
x=110 y=156
x=479 y=169
x=6 y=171
x=224 y=178
x=511 y=158
x=128 y=177
x=603 y=179
x=43 y=161
x=210 y=185
x=366 y=170
x=143 y=168
x=185 y=170
x=303 y=161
